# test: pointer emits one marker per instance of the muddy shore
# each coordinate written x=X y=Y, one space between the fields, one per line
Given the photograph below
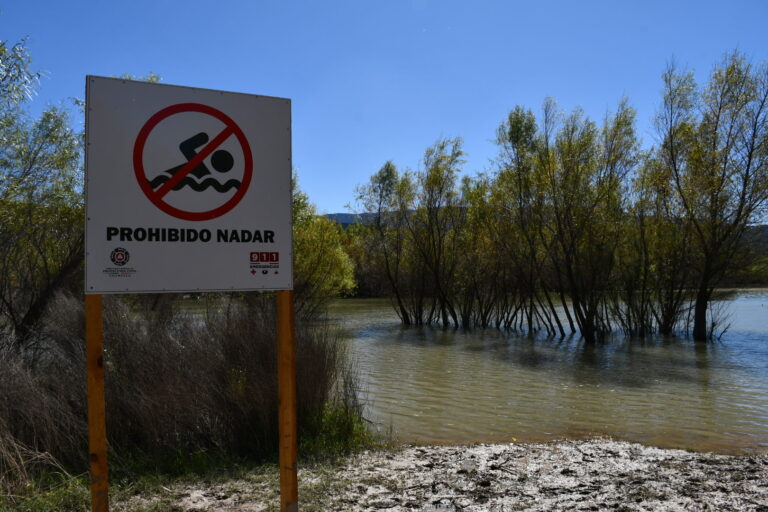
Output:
x=598 y=474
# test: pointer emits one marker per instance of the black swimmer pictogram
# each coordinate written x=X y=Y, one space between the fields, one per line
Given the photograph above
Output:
x=221 y=161
x=204 y=164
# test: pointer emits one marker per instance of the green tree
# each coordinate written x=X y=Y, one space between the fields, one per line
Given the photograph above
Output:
x=659 y=238
x=388 y=199
x=41 y=225
x=322 y=270
x=520 y=201
x=582 y=171
x=483 y=279
x=17 y=80
x=435 y=220
x=715 y=148
x=370 y=280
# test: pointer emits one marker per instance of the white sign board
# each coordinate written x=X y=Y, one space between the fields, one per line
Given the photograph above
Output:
x=186 y=189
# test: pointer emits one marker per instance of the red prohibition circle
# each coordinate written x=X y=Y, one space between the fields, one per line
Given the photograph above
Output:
x=230 y=127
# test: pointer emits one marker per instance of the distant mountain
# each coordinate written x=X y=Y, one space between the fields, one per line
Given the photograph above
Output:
x=756 y=236
x=347 y=219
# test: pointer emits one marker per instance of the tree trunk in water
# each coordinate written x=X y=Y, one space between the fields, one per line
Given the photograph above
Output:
x=700 y=314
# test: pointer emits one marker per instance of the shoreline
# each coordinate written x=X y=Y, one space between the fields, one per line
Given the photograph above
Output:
x=594 y=474
x=728 y=448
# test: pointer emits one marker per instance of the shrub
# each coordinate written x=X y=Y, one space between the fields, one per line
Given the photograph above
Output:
x=188 y=383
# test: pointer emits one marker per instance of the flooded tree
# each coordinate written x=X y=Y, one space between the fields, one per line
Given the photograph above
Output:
x=583 y=169
x=386 y=198
x=519 y=197
x=714 y=147
x=659 y=240
x=434 y=221
x=578 y=229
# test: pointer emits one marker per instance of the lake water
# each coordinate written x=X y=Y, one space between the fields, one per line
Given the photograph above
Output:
x=434 y=385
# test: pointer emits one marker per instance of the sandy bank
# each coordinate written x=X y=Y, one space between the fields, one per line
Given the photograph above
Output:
x=599 y=474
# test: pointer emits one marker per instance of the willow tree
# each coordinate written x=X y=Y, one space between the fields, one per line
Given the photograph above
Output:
x=518 y=195
x=385 y=199
x=41 y=225
x=435 y=220
x=484 y=282
x=661 y=239
x=582 y=169
x=322 y=270
x=713 y=143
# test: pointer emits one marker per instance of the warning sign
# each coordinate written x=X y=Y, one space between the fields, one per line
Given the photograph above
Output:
x=183 y=187
x=167 y=186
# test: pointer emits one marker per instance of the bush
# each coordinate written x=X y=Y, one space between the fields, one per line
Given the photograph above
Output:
x=188 y=383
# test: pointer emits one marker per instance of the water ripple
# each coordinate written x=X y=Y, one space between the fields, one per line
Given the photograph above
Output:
x=437 y=385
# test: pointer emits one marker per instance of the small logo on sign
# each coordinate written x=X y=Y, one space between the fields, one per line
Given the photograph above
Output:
x=120 y=256
x=264 y=261
x=265 y=257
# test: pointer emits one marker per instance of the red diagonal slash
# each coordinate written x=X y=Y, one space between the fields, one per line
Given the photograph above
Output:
x=156 y=197
x=190 y=165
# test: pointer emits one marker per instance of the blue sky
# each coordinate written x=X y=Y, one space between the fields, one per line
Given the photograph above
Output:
x=373 y=81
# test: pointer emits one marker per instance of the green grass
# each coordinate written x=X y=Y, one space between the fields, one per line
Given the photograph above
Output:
x=142 y=482
x=52 y=491
x=258 y=483
x=173 y=463
x=341 y=431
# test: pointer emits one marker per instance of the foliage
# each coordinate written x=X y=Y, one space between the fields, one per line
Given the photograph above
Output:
x=183 y=395
x=55 y=491
x=322 y=269
x=41 y=204
x=17 y=80
x=491 y=249
x=715 y=150
x=342 y=430
x=579 y=229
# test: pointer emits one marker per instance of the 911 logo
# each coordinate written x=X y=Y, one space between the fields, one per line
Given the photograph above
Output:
x=267 y=262
x=265 y=257
x=120 y=256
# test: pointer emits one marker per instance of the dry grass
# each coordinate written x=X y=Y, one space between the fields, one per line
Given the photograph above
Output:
x=185 y=386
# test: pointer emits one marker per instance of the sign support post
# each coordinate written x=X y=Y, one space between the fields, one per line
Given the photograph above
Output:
x=286 y=389
x=97 y=426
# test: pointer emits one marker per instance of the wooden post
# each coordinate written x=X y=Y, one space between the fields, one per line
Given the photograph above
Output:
x=97 y=425
x=286 y=390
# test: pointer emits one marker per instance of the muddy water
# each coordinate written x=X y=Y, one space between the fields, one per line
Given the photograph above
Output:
x=436 y=385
